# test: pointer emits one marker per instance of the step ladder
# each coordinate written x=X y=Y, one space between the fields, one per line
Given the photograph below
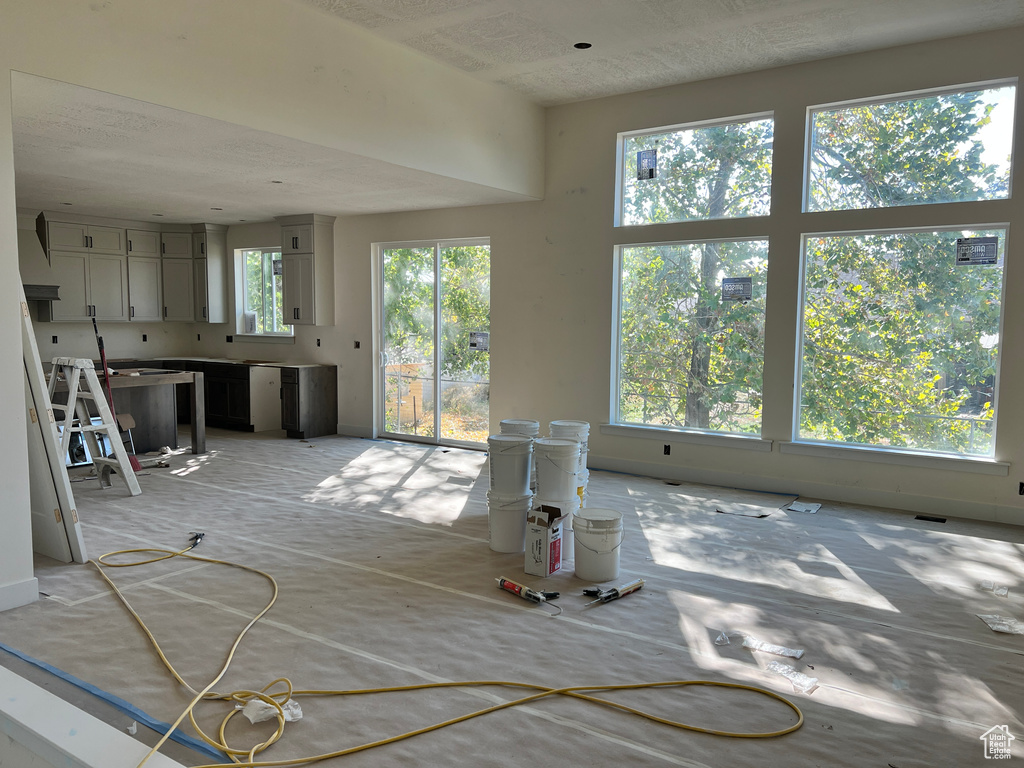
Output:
x=81 y=390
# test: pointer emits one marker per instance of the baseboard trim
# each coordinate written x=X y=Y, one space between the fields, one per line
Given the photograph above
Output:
x=18 y=594
x=872 y=497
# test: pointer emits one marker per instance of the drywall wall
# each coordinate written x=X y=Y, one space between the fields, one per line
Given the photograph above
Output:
x=552 y=281
x=316 y=78
x=17 y=584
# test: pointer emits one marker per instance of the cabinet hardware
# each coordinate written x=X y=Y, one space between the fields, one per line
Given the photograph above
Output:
x=129 y=246
x=163 y=247
x=204 y=313
x=90 y=241
x=132 y=311
x=202 y=248
x=165 y=311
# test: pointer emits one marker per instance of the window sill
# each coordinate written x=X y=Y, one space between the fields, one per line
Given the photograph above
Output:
x=259 y=337
x=973 y=464
x=723 y=440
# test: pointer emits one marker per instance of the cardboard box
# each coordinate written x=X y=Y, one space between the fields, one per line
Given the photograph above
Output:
x=544 y=541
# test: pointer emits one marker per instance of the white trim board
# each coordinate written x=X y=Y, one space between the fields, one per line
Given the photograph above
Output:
x=873 y=497
x=62 y=735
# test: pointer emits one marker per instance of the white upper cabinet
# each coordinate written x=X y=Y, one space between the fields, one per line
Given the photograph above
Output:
x=67 y=236
x=307 y=256
x=176 y=245
x=145 y=293
x=209 y=247
x=92 y=285
x=142 y=242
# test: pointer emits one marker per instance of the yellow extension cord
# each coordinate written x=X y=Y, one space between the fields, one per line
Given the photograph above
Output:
x=246 y=758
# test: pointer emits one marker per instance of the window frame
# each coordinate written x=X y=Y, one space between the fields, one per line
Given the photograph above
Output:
x=242 y=285
x=809 y=443
x=620 y=162
x=805 y=192
x=657 y=430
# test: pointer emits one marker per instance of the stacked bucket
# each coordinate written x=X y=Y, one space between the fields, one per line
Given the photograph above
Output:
x=509 y=497
x=527 y=471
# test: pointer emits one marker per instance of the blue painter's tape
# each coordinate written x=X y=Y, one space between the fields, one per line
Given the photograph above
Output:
x=122 y=706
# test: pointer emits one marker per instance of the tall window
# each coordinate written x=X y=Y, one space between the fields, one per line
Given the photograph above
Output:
x=714 y=170
x=691 y=335
x=263 y=312
x=901 y=328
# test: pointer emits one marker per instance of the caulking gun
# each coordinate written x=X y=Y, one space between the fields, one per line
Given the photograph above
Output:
x=614 y=593
x=525 y=592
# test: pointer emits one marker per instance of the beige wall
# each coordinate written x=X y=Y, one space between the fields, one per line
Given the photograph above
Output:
x=552 y=278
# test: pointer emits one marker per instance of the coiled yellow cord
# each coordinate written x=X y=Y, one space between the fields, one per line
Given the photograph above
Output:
x=246 y=758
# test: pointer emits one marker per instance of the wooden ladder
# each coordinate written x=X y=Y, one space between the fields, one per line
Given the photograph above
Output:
x=77 y=419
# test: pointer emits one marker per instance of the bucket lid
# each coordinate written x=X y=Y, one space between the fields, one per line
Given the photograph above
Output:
x=504 y=442
x=599 y=518
x=558 y=444
x=520 y=426
x=583 y=426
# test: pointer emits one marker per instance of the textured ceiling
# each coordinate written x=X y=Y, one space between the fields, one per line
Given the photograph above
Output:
x=527 y=45
x=112 y=156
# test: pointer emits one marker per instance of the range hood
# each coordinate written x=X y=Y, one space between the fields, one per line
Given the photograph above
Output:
x=42 y=292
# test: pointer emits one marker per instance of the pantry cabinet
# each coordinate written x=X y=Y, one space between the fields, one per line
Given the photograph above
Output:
x=307 y=259
x=145 y=293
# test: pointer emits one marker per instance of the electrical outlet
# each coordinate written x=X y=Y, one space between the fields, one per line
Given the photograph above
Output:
x=144 y=337
x=668 y=450
x=1020 y=488
x=230 y=339
x=199 y=337
x=357 y=345
x=318 y=342
x=53 y=339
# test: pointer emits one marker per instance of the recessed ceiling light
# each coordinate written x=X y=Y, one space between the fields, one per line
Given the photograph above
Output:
x=216 y=209
x=158 y=214
x=582 y=46
x=241 y=219
x=275 y=181
x=67 y=203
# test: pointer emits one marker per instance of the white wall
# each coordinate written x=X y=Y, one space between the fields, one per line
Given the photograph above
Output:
x=552 y=278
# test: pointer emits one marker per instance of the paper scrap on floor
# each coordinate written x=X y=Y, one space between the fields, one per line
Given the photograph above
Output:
x=803 y=506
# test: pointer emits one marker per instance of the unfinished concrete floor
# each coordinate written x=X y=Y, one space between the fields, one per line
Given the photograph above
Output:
x=386 y=579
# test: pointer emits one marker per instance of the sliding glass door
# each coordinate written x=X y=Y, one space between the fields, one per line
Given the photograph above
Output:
x=434 y=379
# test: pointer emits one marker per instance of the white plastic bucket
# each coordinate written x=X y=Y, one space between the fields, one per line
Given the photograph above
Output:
x=506 y=521
x=557 y=465
x=598 y=538
x=573 y=430
x=509 y=457
x=519 y=427
x=569 y=507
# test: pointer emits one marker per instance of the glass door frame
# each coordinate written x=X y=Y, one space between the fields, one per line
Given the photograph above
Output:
x=379 y=355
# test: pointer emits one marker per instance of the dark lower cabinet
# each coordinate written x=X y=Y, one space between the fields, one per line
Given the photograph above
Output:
x=227 y=396
x=309 y=400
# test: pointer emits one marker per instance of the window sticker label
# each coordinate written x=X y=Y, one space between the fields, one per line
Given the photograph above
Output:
x=278 y=267
x=646 y=164
x=479 y=341
x=976 y=250
x=737 y=288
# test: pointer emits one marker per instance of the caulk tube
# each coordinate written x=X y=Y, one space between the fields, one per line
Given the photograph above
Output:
x=521 y=590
